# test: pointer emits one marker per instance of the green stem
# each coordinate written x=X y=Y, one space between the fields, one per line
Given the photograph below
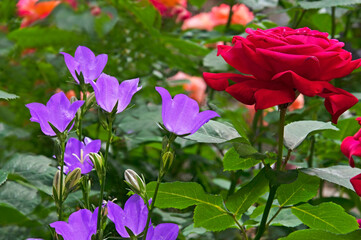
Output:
x=229 y=20
x=281 y=129
x=287 y=158
x=152 y=206
x=312 y=149
x=240 y=227
x=102 y=181
x=85 y=186
x=274 y=216
x=61 y=180
x=267 y=209
x=333 y=22
x=300 y=19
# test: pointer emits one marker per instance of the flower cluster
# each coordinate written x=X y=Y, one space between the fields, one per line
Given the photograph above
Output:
x=281 y=60
x=219 y=16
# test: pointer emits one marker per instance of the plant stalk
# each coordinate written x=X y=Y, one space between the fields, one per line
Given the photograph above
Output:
x=60 y=213
x=102 y=183
x=281 y=130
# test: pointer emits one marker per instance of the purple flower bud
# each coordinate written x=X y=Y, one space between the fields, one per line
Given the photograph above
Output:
x=58 y=111
x=82 y=225
x=181 y=114
x=85 y=62
x=108 y=92
x=77 y=154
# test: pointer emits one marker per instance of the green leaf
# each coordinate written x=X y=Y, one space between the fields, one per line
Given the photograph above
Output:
x=232 y=161
x=339 y=175
x=35 y=37
x=284 y=217
x=326 y=216
x=347 y=127
x=3 y=176
x=215 y=63
x=260 y=4
x=35 y=169
x=214 y=132
x=207 y=214
x=296 y=132
x=301 y=190
x=20 y=197
x=239 y=202
x=212 y=218
x=327 y=3
x=185 y=46
x=182 y=194
x=312 y=234
x=7 y=96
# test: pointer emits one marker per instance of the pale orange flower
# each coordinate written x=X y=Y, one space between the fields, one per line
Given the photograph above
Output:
x=69 y=94
x=219 y=16
x=196 y=87
x=297 y=104
x=31 y=10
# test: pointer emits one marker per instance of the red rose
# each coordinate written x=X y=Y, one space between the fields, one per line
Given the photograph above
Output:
x=280 y=61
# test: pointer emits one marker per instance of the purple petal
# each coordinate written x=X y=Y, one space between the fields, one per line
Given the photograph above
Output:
x=203 y=118
x=125 y=93
x=136 y=212
x=72 y=65
x=63 y=229
x=73 y=147
x=106 y=91
x=117 y=216
x=83 y=55
x=165 y=231
x=150 y=232
x=39 y=114
x=100 y=62
x=166 y=102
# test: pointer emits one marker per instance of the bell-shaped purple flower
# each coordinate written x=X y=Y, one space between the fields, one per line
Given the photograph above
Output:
x=108 y=92
x=181 y=114
x=164 y=231
x=85 y=62
x=134 y=216
x=77 y=154
x=82 y=225
x=58 y=111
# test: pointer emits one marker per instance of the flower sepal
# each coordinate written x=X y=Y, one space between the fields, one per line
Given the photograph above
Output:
x=56 y=187
x=72 y=181
x=131 y=234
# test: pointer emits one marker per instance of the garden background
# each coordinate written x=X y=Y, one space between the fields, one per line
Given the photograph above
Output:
x=171 y=43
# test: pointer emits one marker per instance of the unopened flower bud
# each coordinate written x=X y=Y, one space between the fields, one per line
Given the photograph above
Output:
x=72 y=181
x=167 y=160
x=90 y=100
x=98 y=162
x=136 y=183
x=56 y=186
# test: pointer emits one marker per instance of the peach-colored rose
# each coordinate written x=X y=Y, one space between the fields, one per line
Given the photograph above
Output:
x=196 y=86
x=31 y=10
x=219 y=16
x=297 y=104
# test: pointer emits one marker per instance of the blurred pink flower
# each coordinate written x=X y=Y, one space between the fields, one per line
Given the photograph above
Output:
x=351 y=146
x=196 y=86
x=31 y=10
x=219 y=16
x=172 y=8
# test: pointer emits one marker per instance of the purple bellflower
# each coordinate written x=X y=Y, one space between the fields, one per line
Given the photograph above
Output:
x=108 y=92
x=58 y=111
x=82 y=225
x=134 y=216
x=85 y=62
x=164 y=231
x=181 y=114
x=77 y=154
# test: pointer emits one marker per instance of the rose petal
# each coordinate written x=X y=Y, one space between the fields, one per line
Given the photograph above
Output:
x=356 y=183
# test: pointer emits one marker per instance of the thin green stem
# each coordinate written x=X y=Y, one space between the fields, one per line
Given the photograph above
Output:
x=262 y=227
x=287 y=158
x=152 y=206
x=312 y=149
x=85 y=190
x=333 y=22
x=274 y=216
x=229 y=20
x=60 y=213
x=300 y=18
x=102 y=181
x=240 y=227
x=281 y=129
